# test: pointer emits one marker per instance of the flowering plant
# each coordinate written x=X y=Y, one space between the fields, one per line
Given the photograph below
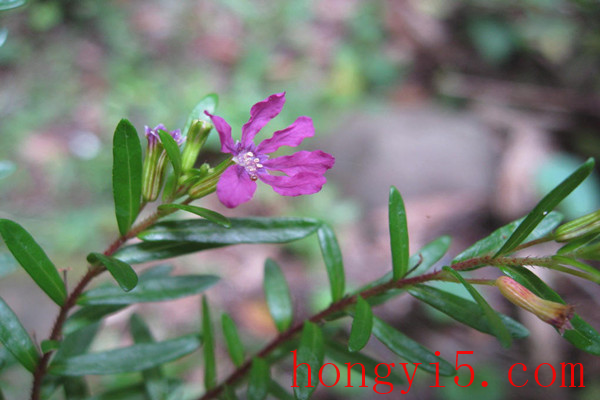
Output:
x=62 y=362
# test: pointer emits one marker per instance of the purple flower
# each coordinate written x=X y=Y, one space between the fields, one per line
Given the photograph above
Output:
x=304 y=171
x=153 y=137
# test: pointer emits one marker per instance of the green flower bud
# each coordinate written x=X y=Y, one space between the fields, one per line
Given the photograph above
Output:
x=587 y=225
x=196 y=137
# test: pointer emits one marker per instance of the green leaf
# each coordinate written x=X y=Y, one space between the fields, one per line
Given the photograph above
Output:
x=311 y=352
x=260 y=377
x=410 y=350
x=210 y=366
x=277 y=294
x=15 y=338
x=427 y=256
x=121 y=271
x=242 y=230
x=77 y=343
x=172 y=149
x=278 y=392
x=496 y=325
x=76 y=389
x=33 y=259
x=232 y=339
x=593 y=272
x=88 y=315
x=496 y=239
x=154 y=381
x=127 y=174
x=49 y=345
x=10 y=4
x=340 y=354
x=333 y=261
x=361 y=325
x=136 y=391
x=583 y=336
x=205 y=213
x=229 y=393
x=137 y=357
x=546 y=205
x=159 y=289
x=151 y=251
x=463 y=310
x=398 y=234
x=208 y=103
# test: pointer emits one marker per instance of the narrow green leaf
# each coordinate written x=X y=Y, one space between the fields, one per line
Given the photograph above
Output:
x=493 y=242
x=583 y=336
x=547 y=204
x=15 y=338
x=311 y=352
x=77 y=343
x=76 y=388
x=135 y=391
x=232 y=339
x=210 y=365
x=121 y=271
x=340 y=354
x=361 y=325
x=33 y=259
x=137 y=357
x=154 y=380
x=87 y=316
x=229 y=393
x=242 y=230
x=208 y=103
x=49 y=345
x=151 y=251
x=593 y=272
x=420 y=262
x=277 y=295
x=496 y=325
x=463 y=310
x=172 y=149
x=127 y=174
x=333 y=261
x=159 y=289
x=260 y=376
x=398 y=234
x=205 y=213
x=278 y=392
x=410 y=350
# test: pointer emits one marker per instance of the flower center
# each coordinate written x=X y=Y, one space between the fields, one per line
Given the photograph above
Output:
x=250 y=162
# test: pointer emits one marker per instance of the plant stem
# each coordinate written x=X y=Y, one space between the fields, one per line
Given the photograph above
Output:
x=70 y=302
x=342 y=304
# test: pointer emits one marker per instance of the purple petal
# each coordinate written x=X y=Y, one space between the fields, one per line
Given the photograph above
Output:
x=293 y=135
x=261 y=113
x=313 y=162
x=235 y=186
x=227 y=145
x=302 y=183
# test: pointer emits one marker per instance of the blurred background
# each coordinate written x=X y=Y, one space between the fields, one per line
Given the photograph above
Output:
x=472 y=108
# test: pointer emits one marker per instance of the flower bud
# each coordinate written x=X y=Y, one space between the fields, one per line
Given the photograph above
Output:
x=587 y=225
x=196 y=137
x=155 y=162
x=553 y=313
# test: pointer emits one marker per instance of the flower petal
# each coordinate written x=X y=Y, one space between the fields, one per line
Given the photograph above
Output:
x=235 y=187
x=227 y=145
x=293 y=135
x=302 y=183
x=314 y=162
x=261 y=113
